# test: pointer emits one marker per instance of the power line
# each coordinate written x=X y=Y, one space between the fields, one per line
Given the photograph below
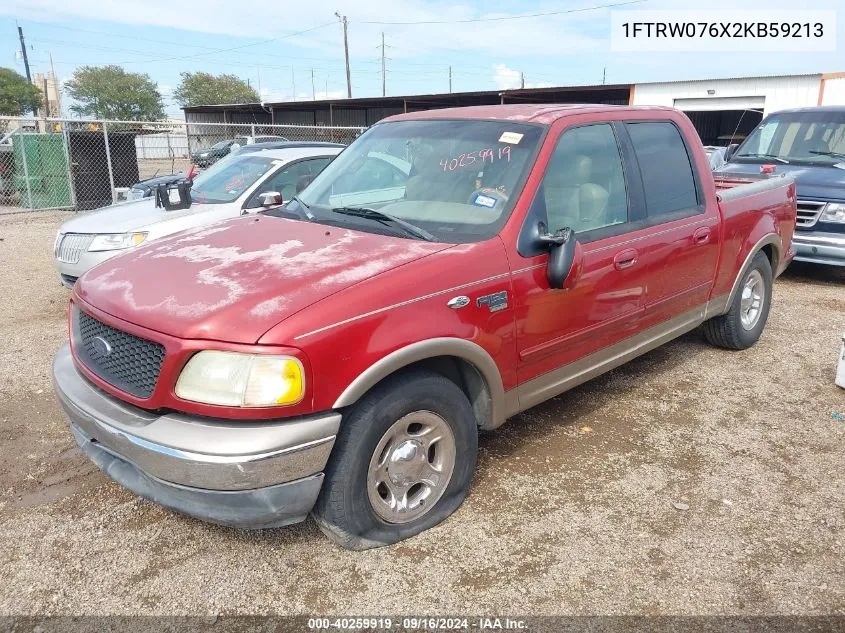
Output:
x=234 y=48
x=508 y=17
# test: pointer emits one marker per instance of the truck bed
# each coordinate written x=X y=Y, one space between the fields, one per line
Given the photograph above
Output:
x=751 y=208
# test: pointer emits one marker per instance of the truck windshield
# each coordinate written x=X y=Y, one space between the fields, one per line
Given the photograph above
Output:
x=455 y=179
x=228 y=179
x=811 y=137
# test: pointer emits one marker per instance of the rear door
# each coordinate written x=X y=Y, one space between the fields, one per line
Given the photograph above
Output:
x=684 y=238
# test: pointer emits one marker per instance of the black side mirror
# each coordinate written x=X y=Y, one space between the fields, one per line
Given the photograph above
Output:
x=730 y=150
x=562 y=246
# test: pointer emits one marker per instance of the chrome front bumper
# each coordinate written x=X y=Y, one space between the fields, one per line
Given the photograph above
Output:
x=243 y=474
x=819 y=248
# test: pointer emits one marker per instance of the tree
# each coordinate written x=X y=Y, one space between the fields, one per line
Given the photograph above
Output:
x=109 y=92
x=17 y=95
x=197 y=89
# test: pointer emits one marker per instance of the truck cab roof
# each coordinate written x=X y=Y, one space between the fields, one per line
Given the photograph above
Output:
x=543 y=113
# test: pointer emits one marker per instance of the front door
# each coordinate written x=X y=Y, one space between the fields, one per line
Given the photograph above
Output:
x=585 y=187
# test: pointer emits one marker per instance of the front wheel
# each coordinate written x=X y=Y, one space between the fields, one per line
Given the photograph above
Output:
x=743 y=324
x=402 y=462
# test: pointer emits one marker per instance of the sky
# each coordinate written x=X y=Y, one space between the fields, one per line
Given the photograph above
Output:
x=278 y=45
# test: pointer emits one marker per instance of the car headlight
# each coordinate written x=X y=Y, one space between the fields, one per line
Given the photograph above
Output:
x=833 y=212
x=116 y=241
x=241 y=380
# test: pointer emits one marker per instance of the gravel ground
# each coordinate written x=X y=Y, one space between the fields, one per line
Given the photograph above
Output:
x=574 y=509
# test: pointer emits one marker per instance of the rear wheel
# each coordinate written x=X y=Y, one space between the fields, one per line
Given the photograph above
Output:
x=402 y=462
x=743 y=324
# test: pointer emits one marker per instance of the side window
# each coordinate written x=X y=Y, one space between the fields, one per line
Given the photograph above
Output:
x=584 y=185
x=291 y=180
x=665 y=167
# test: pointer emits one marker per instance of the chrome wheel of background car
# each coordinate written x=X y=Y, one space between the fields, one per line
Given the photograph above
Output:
x=751 y=304
x=411 y=467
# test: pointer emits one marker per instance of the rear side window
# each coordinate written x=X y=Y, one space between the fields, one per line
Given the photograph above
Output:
x=665 y=167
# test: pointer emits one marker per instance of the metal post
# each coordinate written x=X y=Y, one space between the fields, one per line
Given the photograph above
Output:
x=108 y=160
x=25 y=169
x=170 y=151
x=71 y=184
x=383 y=80
x=252 y=129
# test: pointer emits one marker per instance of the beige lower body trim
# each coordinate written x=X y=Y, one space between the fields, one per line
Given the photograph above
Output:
x=553 y=383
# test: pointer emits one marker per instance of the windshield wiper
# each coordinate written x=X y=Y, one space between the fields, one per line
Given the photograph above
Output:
x=381 y=216
x=832 y=154
x=306 y=210
x=772 y=156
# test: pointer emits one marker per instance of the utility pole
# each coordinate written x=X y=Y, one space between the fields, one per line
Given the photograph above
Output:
x=383 y=80
x=450 y=78
x=604 y=76
x=521 y=79
x=292 y=84
x=58 y=88
x=313 y=92
x=25 y=58
x=342 y=18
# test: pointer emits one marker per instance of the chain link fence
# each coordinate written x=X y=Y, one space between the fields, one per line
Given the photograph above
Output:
x=87 y=164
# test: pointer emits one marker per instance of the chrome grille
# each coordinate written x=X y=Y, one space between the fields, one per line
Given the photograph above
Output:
x=72 y=246
x=128 y=362
x=808 y=212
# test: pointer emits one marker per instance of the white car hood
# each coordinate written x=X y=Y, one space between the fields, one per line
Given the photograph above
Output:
x=138 y=215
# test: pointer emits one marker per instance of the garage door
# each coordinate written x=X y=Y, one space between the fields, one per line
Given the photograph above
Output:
x=710 y=104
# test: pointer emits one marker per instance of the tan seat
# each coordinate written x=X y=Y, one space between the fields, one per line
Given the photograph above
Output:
x=572 y=199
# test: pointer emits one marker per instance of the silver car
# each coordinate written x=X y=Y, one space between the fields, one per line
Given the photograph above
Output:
x=230 y=188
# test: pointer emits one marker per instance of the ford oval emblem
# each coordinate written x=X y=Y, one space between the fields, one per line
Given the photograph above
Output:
x=458 y=302
x=100 y=346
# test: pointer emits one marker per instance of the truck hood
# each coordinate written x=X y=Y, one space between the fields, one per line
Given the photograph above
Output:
x=234 y=280
x=813 y=182
x=129 y=216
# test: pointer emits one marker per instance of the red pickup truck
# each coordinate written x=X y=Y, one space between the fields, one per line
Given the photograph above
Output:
x=339 y=354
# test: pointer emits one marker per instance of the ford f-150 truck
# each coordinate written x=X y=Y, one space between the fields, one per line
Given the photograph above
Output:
x=807 y=144
x=339 y=355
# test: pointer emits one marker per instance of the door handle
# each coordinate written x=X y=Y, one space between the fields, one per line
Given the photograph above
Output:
x=701 y=235
x=625 y=259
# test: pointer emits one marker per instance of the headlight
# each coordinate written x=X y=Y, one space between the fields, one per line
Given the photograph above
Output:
x=241 y=380
x=58 y=241
x=116 y=241
x=833 y=212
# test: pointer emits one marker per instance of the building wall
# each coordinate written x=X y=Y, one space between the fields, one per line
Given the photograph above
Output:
x=834 y=89
x=778 y=93
x=53 y=98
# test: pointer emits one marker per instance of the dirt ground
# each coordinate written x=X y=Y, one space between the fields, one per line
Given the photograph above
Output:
x=572 y=510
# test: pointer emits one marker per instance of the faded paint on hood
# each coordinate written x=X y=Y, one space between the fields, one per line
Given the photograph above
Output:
x=237 y=279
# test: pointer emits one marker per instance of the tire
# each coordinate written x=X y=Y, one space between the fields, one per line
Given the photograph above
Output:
x=353 y=508
x=736 y=329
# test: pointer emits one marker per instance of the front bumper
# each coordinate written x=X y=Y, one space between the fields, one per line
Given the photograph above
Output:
x=240 y=474
x=819 y=248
